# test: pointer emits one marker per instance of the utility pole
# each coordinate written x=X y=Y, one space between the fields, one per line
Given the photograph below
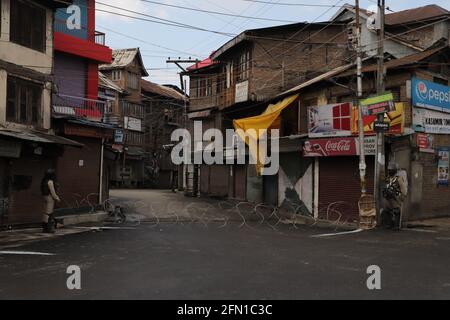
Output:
x=381 y=87
x=362 y=155
x=178 y=62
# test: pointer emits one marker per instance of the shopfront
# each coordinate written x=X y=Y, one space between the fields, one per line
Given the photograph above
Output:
x=430 y=190
x=337 y=185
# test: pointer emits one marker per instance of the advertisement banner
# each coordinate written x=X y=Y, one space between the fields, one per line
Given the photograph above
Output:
x=429 y=121
x=330 y=147
x=443 y=166
x=425 y=143
x=332 y=120
x=430 y=95
x=396 y=120
x=378 y=104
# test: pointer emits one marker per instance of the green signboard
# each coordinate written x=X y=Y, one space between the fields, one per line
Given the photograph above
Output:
x=378 y=104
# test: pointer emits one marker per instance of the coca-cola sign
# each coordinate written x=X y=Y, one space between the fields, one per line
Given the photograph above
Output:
x=330 y=147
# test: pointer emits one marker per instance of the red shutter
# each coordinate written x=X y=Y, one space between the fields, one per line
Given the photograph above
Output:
x=339 y=186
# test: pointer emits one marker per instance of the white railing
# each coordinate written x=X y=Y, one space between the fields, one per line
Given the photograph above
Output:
x=78 y=107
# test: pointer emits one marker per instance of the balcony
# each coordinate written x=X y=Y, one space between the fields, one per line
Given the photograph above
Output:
x=100 y=38
x=76 y=107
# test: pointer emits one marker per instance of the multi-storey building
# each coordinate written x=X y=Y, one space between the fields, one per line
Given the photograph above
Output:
x=164 y=112
x=126 y=70
x=77 y=111
x=27 y=146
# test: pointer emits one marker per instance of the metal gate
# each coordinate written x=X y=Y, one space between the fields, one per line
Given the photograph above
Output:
x=339 y=187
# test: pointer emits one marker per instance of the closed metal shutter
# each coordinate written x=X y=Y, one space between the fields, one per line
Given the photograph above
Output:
x=218 y=180
x=240 y=182
x=339 y=187
x=204 y=180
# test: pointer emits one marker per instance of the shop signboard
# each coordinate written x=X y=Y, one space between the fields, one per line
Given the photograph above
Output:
x=118 y=136
x=443 y=166
x=330 y=147
x=378 y=104
x=395 y=119
x=133 y=124
x=330 y=121
x=429 y=121
x=430 y=95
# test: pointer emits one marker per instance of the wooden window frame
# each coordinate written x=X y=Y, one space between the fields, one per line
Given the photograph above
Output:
x=25 y=112
x=28 y=25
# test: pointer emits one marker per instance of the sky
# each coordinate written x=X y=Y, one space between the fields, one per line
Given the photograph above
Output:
x=158 y=42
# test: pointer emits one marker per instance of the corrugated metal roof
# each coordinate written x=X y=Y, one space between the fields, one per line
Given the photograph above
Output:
x=103 y=81
x=164 y=91
x=39 y=137
x=343 y=71
x=123 y=58
x=411 y=59
x=323 y=76
x=416 y=14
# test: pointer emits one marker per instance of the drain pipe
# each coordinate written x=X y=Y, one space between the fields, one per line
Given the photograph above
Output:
x=100 y=192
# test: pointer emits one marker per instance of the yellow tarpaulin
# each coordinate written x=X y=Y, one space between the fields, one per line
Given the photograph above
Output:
x=260 y=124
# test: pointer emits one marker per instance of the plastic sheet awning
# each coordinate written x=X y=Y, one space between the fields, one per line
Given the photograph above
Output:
x=254 y=127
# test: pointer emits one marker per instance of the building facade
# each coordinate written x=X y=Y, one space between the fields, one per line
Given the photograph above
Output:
x=126 y=70
x=27 y=143
x=164 y=112
x=77 y=111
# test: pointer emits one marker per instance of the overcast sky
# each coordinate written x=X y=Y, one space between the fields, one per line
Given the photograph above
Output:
x=158 y=42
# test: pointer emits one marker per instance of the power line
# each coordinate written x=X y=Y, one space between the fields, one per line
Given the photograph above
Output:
x=161 y=21
x=294 y=4
x=216 y=12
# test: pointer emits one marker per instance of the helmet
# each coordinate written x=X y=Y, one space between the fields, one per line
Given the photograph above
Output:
x=392 y=166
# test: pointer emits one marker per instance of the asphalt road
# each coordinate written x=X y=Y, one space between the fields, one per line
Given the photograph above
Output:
x=194 y=261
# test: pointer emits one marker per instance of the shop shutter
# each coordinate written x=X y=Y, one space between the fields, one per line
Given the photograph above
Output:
x=240 y=182
x=218 y=180
x=339 y=187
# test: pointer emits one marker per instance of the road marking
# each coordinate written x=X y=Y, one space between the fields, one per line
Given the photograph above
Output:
x=421 y=230
x=103 y=228
x=26 y=253
x=337 y=234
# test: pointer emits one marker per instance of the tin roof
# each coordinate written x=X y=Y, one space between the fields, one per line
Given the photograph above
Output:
x=123 y=58
x=38 y=137
x=430 y=12
x=150 y=87
x=344 y=70
x=104 y=82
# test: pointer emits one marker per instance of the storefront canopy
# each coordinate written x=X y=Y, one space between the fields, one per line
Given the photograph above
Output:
x=255 y=127
x=39 y=138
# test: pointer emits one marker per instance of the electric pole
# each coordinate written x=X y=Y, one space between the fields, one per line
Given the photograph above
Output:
x=178 y=62
x=381 y=87
x=362 y=155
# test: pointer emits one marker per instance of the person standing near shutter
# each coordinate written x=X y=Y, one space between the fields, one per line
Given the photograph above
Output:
x=49 y=188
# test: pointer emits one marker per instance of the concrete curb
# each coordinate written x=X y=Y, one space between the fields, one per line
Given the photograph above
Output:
x=83 y=218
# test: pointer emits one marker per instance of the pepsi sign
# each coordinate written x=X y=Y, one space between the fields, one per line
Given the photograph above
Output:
x=430 y=95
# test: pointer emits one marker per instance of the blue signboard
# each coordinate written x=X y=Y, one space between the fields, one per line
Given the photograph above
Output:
x=73 y=20
x=430 y=95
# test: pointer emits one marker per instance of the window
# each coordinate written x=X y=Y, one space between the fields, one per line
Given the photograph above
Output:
x=28 y=25
x=132 y=110
x=134 y=139
x=243 y=66
x=116 y=75
x=133 y=81
x=23 y=101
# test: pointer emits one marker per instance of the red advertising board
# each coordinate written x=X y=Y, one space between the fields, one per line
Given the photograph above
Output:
x=330 y=147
